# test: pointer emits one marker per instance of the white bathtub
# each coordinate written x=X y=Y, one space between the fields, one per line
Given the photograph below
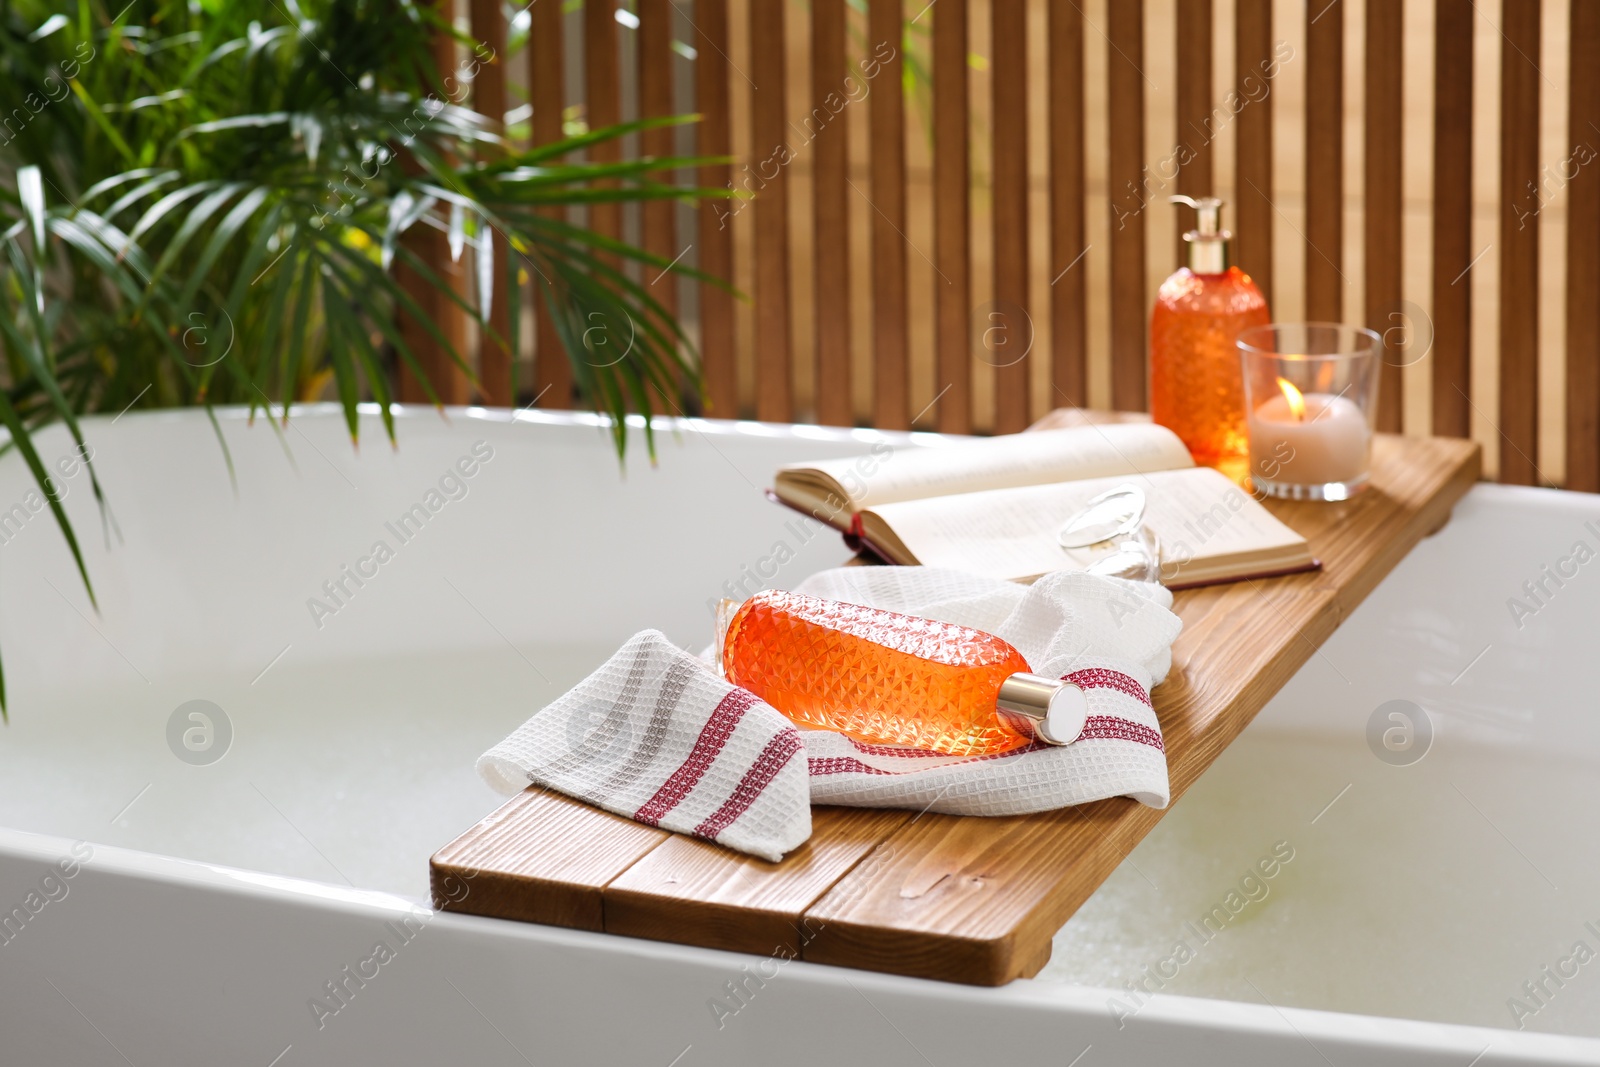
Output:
x=211 y=901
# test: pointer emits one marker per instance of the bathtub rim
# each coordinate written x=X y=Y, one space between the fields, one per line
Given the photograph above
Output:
x=1176 y=1014
x=664 y=424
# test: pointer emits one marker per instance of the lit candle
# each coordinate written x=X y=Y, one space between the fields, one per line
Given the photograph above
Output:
x=1310 y=439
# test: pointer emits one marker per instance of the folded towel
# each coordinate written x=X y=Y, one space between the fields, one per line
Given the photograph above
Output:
x=655 y=735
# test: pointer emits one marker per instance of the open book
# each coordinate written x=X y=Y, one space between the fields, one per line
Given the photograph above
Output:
x=994 y=506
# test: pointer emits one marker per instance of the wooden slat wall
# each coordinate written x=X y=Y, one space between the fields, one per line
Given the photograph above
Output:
x=1069 y=240
x=769 y=137
x=1130 y=311
x=1194 y=106
x=952 y=218
x=1252 y=243
x=1383 y=220
x=1324 y=161
x=489 y=99
x=552 y=374
x=891 y=401
x=603 y=88
x=862 y=187
x=1012 y=326
x=1583 y=261
x=830 y=192
x=450 y=384
x=1519 y=241
x=658 y=229
x=718 y=364
x=1452 y=218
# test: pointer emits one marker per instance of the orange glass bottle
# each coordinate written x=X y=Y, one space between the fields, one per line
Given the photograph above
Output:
x=888 y=678
x=1196 y=385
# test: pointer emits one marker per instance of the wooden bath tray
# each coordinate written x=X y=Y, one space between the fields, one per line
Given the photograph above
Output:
x=963 y=899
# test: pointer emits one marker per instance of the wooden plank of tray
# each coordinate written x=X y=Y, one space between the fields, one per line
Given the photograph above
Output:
x=967 y=899
x=542 y=858
x=698 y=892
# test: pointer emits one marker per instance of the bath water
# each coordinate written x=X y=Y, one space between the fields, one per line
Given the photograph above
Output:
x=1429 y=891
x=339 y=772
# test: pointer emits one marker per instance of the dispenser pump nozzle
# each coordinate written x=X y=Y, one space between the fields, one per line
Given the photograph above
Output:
x=1208 y=242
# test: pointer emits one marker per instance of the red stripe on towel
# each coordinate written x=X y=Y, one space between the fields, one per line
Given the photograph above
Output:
x=850 y=765
x=1100 y=678
x=1109 y=727
x=773 y=759
x=818 y=766
x=1095 y=728
x=712 y=737
x=902 y=751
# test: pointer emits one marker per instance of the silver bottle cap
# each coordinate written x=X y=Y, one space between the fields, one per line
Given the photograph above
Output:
x=1052 y=710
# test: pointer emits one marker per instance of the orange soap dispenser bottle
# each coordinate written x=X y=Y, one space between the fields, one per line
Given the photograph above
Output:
x=1196 y=386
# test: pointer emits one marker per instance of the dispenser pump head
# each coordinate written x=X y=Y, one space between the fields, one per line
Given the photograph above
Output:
x=1208 y=242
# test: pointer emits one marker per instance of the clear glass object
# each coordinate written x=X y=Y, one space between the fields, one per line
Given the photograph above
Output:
x=1117 y=511
x=1311 y=390
x=888 y=678
x=1116 y=515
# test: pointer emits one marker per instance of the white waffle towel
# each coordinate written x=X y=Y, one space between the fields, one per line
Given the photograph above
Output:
x=655 y=735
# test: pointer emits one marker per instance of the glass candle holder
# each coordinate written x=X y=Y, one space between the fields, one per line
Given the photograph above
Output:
x=1310 y=395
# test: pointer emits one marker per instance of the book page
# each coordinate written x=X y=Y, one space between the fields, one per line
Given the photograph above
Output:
x=1198 y=514
x=888 y=475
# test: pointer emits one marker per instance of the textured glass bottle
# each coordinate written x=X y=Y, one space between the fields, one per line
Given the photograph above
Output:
x=888 y=678
x=1196 y=386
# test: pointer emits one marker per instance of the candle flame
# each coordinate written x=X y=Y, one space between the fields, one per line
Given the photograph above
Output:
x=1297 y=402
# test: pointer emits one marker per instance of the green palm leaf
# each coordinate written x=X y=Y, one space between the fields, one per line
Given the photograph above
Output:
x=257 y=169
